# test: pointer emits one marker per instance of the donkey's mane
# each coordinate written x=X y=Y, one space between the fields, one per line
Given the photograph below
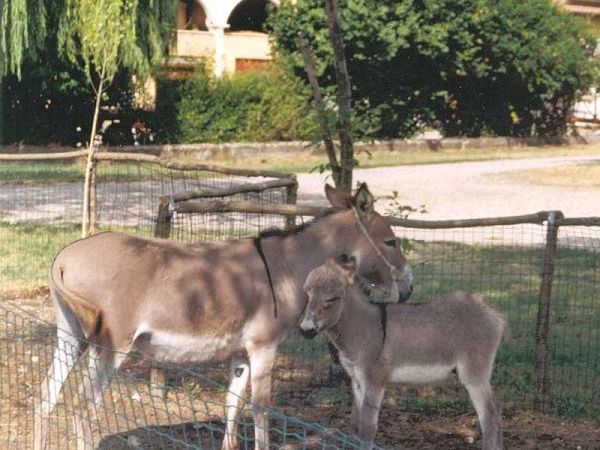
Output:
x=283 y=232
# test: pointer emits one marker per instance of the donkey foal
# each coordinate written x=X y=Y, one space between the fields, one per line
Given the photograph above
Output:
x=414 y=344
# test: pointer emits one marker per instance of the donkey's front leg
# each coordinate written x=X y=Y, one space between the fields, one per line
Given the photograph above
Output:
x=369 y=406
x=240 y=372
x=261 y=367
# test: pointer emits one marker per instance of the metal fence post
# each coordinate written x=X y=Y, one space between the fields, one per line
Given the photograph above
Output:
x=541 y=401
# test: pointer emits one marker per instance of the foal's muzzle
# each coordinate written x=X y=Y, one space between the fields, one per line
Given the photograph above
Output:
x=308 y=327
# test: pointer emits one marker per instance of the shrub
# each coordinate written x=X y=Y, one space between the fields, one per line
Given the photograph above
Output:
x=471 y=67
x=249 y=106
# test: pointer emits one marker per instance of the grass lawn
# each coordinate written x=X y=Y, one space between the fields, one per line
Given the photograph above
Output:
x=287 y=162
x=579 y=175
x=507 y=275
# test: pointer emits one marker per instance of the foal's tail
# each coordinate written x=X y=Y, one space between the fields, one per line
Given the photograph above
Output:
x=494 y=315
x=506 y=333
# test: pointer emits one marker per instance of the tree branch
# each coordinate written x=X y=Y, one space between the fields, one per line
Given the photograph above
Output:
x=344 y=94
x=311 y=72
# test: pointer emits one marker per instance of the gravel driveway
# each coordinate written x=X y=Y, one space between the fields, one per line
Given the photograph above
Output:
x=470 y=189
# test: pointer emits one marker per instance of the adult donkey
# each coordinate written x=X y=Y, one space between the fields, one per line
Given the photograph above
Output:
x=185 y=303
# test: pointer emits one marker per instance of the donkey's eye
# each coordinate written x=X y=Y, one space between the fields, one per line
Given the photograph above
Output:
x=391 y=243
x=332 y=299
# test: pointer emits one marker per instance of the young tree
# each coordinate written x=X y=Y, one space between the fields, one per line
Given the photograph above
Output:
x=106 y=36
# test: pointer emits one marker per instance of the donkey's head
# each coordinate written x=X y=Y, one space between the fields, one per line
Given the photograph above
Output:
x=366 y=237
x=327 y=290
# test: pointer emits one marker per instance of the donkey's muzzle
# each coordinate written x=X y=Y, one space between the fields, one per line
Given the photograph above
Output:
x=405 y=284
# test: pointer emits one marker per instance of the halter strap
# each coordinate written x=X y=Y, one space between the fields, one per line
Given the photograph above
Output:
x=261 y=253
x=383 y=318
x=394 y=272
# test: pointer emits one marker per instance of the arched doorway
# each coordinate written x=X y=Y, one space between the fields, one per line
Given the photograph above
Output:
x=249 y=15
x=191 y=16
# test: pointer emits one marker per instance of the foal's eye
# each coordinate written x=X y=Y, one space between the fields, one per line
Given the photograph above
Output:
x=329 y=302
x=391 y=243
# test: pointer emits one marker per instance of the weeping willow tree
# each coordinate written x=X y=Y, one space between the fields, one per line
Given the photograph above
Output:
x=106 y=36
x=22 y=34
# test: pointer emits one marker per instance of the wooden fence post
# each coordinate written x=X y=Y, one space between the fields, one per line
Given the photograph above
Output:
x=163 y=219
x=162 y=229
x=291 y=197
x=541 y=400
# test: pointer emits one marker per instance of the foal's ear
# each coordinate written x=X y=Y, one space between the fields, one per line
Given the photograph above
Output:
x=364 y=200
x=347 y=266
x=337 y=197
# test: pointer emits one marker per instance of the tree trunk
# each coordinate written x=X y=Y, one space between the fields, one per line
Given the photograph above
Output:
x=86 y=218
x=311 y=72
x=344 y=95
x=1 y=110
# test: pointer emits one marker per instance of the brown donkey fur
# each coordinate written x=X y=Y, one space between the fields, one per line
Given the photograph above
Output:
x=415 y=344
x=185 y=303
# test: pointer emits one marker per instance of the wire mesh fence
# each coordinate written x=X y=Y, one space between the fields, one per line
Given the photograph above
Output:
x=506 y=264
x=40 y=205
x=128 y=413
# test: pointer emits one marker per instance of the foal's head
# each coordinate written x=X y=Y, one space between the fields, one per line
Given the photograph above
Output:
x=327 y=289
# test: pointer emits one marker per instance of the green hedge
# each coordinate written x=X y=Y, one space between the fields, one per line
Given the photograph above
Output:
x=265 y=105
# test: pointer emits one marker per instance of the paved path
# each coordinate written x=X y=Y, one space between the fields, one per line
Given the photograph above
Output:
x=470 y=189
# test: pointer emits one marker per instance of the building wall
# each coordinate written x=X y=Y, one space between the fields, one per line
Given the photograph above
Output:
x=588 y=8
x=214 y=40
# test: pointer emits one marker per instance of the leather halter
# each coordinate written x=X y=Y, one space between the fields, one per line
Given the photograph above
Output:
x=395 y=274
x=383 y=319
x=261 y=253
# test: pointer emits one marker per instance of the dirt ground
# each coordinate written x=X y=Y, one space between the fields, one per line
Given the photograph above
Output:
x=522 y=430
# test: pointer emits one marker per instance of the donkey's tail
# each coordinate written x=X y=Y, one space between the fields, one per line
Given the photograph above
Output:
x=87 y=314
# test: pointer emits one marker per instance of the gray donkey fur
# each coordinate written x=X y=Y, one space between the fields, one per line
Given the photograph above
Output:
x=416 y=344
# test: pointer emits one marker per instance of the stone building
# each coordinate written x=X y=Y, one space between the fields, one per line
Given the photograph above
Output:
x=229 y=33
x=587 y=110
x=590 y=8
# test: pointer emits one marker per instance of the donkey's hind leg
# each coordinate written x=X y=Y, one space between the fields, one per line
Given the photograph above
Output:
x=488 y=410
x=101 y=366
x=70 y=347
x=240 y=373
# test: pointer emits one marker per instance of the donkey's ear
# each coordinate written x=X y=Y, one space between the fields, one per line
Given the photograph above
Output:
x=364 y=200
x=337 y=197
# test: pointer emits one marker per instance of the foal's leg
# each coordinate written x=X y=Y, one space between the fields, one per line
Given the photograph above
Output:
x=240 y=372
x=101 y=366
x=356 y=399
x=261 y=367
x=370 y=404
x=485 y=403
